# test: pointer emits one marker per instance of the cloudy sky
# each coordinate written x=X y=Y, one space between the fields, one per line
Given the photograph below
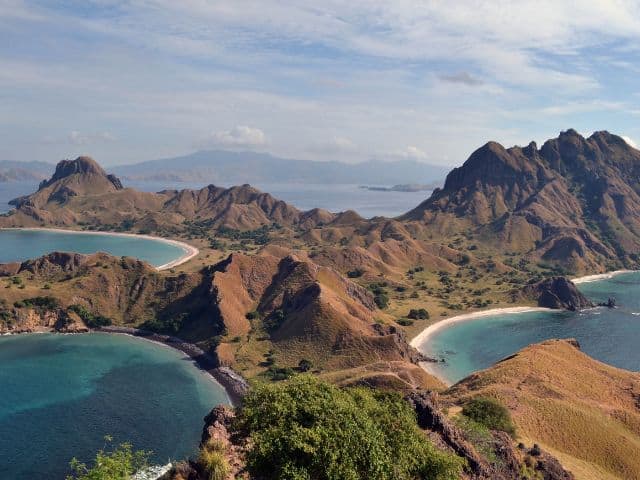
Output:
x=432 y=80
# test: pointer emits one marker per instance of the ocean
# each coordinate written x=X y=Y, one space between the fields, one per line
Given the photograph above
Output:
x=609 y=335
x=62 y=394
x=335 y=198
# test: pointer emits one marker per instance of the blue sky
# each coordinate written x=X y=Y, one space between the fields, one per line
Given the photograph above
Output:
x=127 y=81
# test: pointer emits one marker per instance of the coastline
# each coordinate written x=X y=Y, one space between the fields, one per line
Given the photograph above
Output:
x=234 y=385
x=189 y=250
x=425 y=334
x=599 y=276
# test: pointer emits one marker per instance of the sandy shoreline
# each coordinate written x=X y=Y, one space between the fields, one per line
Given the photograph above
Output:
x=599 y=276
x=424 y=335
x=189 y=250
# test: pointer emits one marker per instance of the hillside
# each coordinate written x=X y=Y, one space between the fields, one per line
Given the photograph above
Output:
x=80 y=192
x=574 y=201
x=228 y=167
x=583 y=411
x=258 y=314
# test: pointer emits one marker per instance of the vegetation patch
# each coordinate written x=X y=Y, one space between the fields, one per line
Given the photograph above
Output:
x=490 y=413
x=308 y=429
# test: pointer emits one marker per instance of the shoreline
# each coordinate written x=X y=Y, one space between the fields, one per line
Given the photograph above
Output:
x=600 y=276
x=419 y=340
x=428 y=332
x=189 y=250
x=234 y=385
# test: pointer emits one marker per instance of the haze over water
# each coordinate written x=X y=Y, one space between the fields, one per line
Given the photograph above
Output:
x=609 y=335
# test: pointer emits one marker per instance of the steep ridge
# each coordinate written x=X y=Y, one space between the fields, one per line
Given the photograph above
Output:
x=306 y=311
x=574 y=201
x=80 y=192
x=583 y=411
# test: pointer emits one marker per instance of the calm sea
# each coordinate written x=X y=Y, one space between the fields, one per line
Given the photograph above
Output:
x=609 y=335
x=335 y=198
x=61 y=394
x=24 y=244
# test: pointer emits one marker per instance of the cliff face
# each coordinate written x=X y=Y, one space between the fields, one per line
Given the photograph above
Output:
x=558 y=293
x=574 y=201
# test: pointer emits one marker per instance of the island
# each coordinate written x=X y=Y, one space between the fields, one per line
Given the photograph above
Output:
x=302 y=302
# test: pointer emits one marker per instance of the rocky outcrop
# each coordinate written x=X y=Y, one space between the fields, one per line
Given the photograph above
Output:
x=574 y=201
x=557 y=293
x=217 y=430
x=510 y=461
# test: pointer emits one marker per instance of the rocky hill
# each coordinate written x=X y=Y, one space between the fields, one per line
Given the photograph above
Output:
x=80 y=192
x=584 y=412
x=250 y=311
x=575 y=200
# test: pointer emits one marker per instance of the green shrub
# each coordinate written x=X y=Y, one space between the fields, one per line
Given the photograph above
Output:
x=382 y=301
x=253 y=315
x=308 y=429
x=418 y=314
x=305 y=365
x=91 y=320
x=490 y=413
x=405 y=322
x=357 y=273
x=118 y=464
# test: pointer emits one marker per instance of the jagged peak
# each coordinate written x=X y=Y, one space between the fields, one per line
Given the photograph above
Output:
x=83 y=165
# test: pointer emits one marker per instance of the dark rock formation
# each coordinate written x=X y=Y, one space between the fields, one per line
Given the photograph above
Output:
x=510 y=460
x=558 y=293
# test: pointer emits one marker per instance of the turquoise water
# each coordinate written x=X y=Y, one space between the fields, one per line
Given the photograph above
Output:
x=25 y=244
x=61 y=394
x=609 y=335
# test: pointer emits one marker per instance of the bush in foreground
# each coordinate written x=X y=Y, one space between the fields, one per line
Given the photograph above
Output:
x=117 y=464
x=306 y=429
x=490 y=413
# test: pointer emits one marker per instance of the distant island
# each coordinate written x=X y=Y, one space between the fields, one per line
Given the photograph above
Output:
x=404 y=187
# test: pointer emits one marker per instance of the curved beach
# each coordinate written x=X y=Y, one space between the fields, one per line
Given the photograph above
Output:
x=189 y=250
x=599 y=276
x=424 y=335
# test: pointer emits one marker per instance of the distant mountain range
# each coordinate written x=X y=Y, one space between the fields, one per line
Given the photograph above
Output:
x=235 y=168
x=24 y=171
x=224 y=167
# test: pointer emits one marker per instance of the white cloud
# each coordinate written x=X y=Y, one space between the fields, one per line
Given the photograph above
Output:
x=77 y=138
x=412 y=152
x=337 y=145
x=239 y=136
x=630 y=142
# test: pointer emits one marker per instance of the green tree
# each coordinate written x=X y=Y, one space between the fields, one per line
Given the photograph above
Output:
x=490 y=413
x=305 y=429
x=119 y=463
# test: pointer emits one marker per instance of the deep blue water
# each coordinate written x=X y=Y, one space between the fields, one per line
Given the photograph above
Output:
x=25 y=244
x=61 y=394
x=609 y=335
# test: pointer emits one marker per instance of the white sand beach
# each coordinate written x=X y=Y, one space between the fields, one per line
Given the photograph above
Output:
x=599 y=276
x=189 y=250
x=423 y=336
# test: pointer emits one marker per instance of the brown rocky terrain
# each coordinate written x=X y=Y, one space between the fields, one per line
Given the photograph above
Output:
x=80 y=192
x=252 y=312
x=584 y=412
x=575 y=201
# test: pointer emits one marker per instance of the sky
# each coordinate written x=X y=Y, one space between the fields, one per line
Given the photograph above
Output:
x=128 y=81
